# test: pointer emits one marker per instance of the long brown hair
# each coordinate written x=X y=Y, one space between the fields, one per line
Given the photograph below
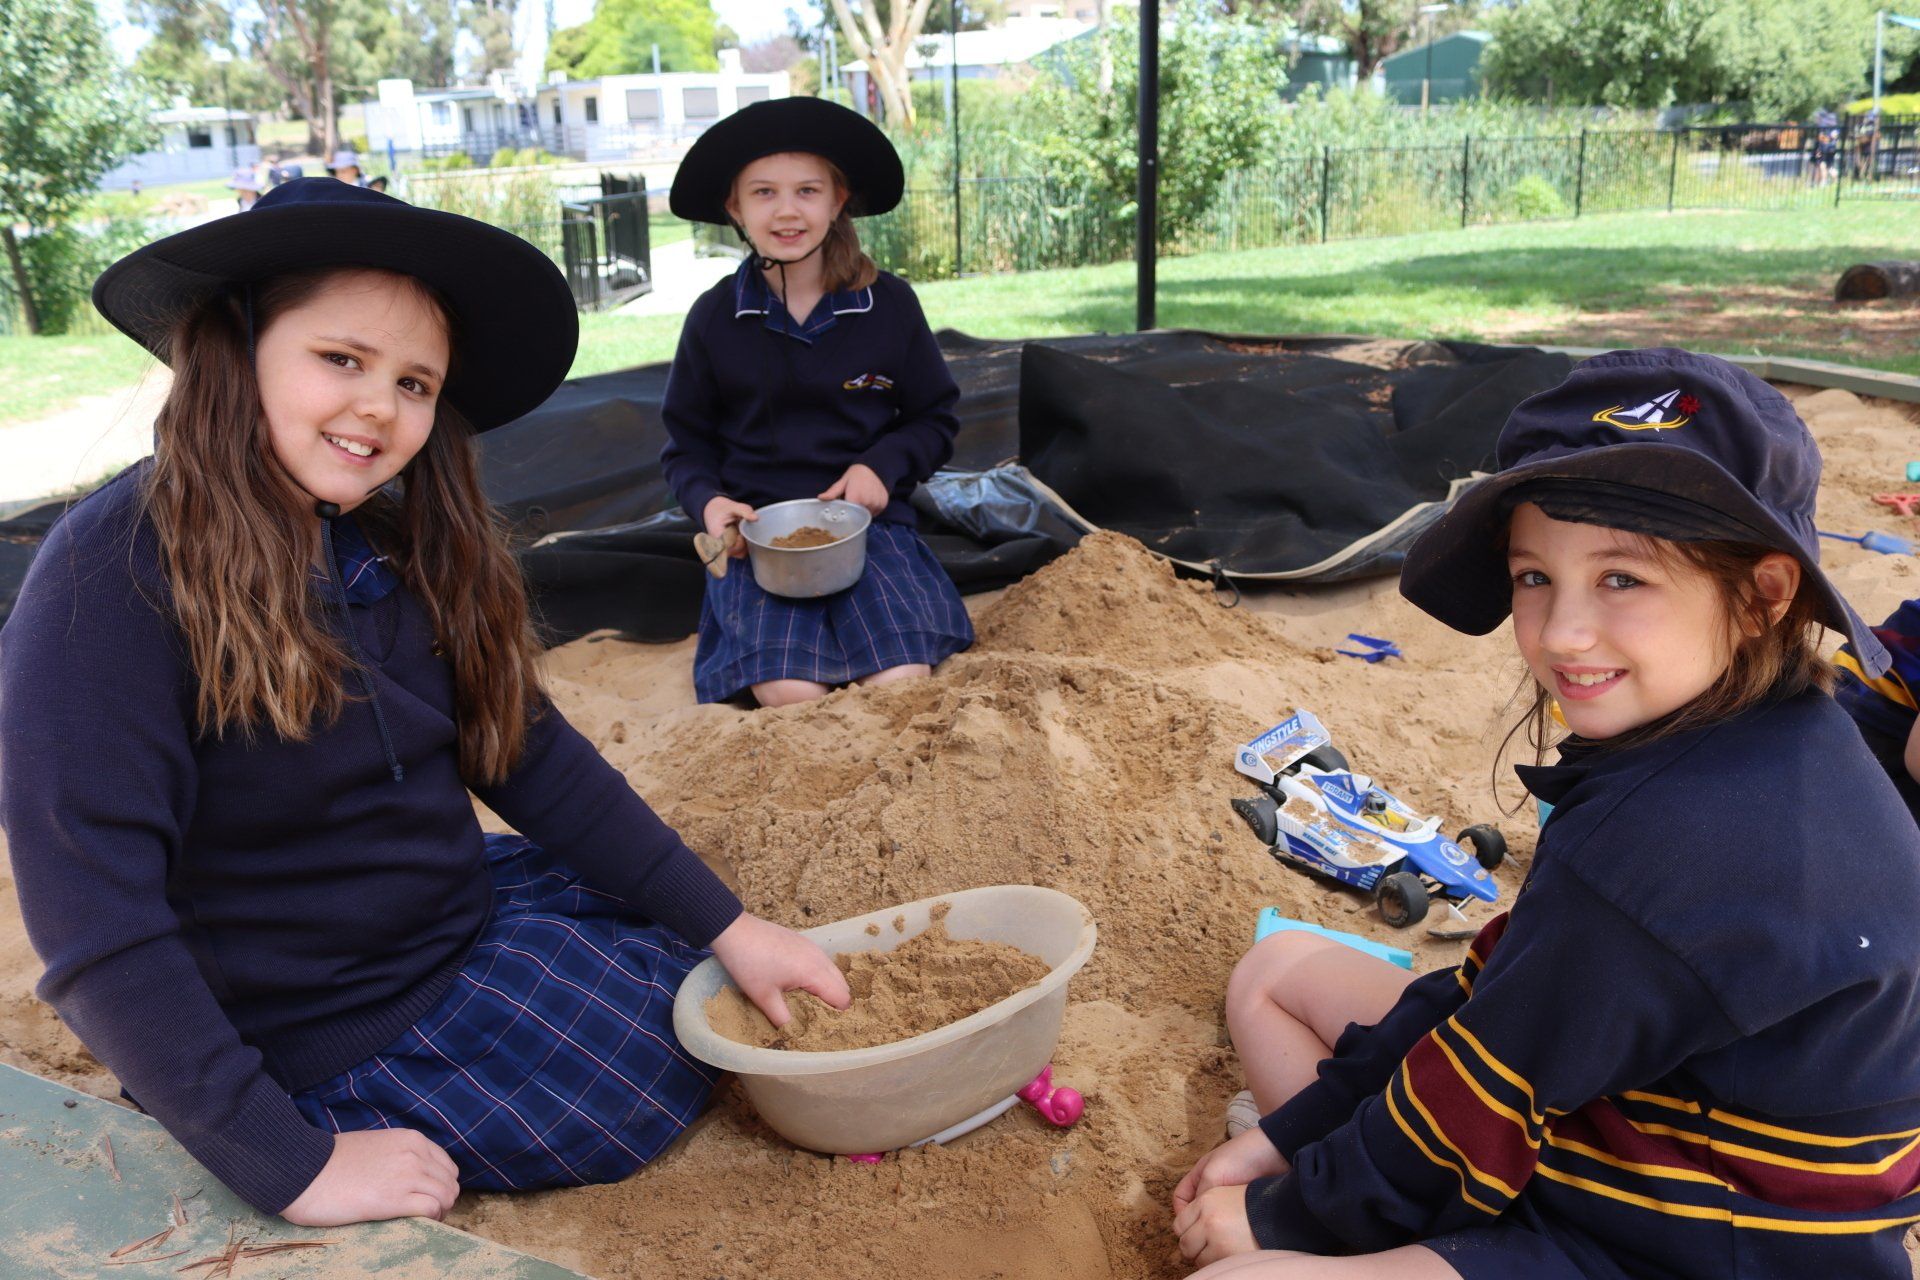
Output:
x=844 y=265
x=1773 y=657
x=237 y=543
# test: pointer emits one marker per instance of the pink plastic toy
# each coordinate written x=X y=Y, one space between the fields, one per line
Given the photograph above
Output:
x=1061 y=1106
x=871 y=1157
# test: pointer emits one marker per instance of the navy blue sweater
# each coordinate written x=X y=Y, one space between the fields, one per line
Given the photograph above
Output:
x=225 y=922
x=1691 y=1049
x=762 y=410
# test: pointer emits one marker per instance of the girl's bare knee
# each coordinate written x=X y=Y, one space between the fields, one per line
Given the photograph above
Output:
x=785 y=693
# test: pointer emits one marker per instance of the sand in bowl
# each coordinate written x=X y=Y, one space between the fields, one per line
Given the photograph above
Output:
x=925 y=983
x=807 y=535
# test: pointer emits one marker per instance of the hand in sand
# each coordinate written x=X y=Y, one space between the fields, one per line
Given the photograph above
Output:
x=1233 y=1163
x=378 y=1174
x=861 y=484
x=1214 y=1226
x=722 y=514
x=766 y=961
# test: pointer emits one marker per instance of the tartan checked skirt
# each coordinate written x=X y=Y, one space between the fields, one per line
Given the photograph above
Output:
x=904 y=610
x=550 y=1061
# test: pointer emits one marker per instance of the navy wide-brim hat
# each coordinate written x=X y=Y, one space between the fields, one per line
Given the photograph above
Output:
x=1662 y=442
x=814 y=126
x=514 y=325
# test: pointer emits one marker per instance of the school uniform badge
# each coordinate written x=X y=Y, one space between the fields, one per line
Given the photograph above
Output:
x=1660 y=413
x=868 y=382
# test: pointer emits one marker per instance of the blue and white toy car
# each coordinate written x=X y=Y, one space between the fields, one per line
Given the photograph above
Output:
x=1316 y=814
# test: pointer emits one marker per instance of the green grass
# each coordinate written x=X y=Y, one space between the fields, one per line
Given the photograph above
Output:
x=664 y=228
x=1728 y=282
x=44 y=375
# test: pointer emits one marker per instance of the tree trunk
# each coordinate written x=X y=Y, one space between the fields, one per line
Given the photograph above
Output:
x=1873 y=280
x=21 y=284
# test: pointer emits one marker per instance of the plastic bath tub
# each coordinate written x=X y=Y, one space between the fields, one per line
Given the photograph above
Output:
x=855 y=1101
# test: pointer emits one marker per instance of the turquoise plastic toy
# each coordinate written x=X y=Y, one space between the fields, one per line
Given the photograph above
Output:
x=1271 y=922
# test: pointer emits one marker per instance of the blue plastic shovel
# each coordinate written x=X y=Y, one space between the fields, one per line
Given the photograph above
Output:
x=1885 y=543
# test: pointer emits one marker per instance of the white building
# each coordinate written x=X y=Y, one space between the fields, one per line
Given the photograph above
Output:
x=621 y=116
x=610 y=118
x=982 y=55
x=196 y=143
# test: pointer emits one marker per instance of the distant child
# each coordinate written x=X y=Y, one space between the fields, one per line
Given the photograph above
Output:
x=808 y=373
x=1692 y=1046
x=247 y=696
x=1886 y=708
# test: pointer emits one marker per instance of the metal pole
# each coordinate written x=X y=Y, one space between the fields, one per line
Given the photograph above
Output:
x=1879 y=53
x=1580 y=175
x=1466 y=175
x=953 y=81
x=1673 y=169
x=226 y=104
x=656 y=59
x=1326 y=181
x=1148 y=180
x=1426 y=85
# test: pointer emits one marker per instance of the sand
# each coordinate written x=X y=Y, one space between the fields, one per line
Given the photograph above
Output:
x=1084 y=744
x=805 y=536
x=925 y=983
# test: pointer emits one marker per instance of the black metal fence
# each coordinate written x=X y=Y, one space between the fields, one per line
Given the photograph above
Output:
x=605 y=249
x=1024 y=223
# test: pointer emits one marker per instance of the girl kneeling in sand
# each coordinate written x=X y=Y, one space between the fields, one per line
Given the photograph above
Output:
x=808 y=373
x=243 y=696
x=1692 y=1048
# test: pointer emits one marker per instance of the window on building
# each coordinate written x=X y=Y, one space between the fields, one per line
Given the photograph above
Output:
x=466 y=115
x=442 y=114
x=701 y=104
x=556 y=112
x=751 y=93
x=643 y=104
x=593 y=111
x=199 y=135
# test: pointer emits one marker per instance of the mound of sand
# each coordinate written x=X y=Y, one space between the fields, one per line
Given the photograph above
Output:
x=1083 y=744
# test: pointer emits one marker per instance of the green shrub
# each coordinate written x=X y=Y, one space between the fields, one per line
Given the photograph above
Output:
x=1531 y=198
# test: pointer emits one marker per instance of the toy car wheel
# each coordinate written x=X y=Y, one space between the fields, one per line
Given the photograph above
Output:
x=1328 y=758
x=1489 y=846
x=1402 y=898
x=1258 y=813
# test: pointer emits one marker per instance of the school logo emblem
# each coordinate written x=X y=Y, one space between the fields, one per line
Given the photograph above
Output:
x=1673 y=409
x=868 y=382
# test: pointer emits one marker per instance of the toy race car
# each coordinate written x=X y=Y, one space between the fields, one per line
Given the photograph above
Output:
x=1316 y=814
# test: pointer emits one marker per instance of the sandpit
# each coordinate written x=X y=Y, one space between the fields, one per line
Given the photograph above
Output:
x=1083 y=744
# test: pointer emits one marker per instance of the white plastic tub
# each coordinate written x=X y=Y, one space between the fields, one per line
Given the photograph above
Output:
x=856 y=1101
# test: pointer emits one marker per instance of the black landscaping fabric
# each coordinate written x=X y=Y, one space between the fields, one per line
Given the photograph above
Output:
x=1253 y=457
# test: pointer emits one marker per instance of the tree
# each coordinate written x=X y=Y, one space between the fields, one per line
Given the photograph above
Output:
x=1782 y=57
x=1374 y=30
x=67 y=114
x=882 y=35
x=621 y=34
x=491 y=22
x=1219 y=78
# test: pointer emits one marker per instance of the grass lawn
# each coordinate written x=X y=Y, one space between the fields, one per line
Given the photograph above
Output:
x=41 y=376
x=664 y=228
x=1727 y=282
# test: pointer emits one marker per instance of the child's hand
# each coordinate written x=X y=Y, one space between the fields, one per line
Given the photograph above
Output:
x=378 y=1174
x=1215 y=1226
x=861 y=485
x=722 y=514
x=766 y=961
x=1233 y=1163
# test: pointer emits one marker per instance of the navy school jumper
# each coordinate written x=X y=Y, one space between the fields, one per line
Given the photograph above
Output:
x=225 y=922
x=762 y=410
x=1691 y=1049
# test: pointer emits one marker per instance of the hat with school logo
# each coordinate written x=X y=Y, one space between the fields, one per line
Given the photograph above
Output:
x=1661 y=442
x=812 y=126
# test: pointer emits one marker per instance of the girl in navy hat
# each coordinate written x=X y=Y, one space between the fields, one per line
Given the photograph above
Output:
x=1692 y=1047
x=808 y=373
x=245 y=695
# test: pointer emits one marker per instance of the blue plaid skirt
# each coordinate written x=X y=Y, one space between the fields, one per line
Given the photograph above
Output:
x=551 y=1060
x=904 y=610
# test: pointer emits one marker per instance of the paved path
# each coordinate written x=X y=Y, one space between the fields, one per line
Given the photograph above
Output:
x=83 y=443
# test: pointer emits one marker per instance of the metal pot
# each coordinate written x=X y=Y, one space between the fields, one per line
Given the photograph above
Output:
x=802 y=573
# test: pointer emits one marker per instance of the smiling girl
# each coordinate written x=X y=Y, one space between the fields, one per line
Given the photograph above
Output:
x=247 y=696
x=1692 y=1048
x=807 y=374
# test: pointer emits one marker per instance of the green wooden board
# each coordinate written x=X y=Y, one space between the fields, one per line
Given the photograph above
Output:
x=62 y=1212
